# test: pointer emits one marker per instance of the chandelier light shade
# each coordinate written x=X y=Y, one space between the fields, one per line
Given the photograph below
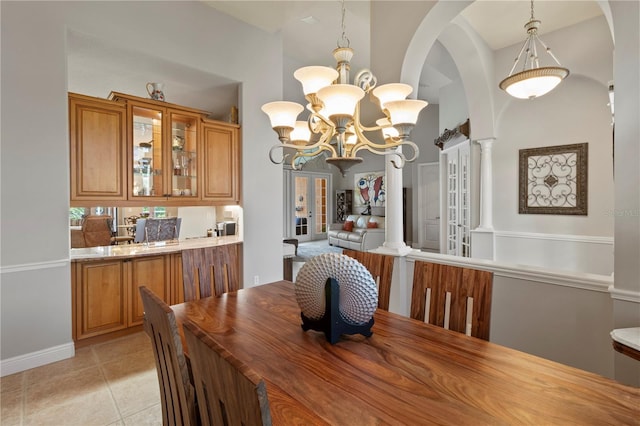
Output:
x=533 y=81
x=333 y=126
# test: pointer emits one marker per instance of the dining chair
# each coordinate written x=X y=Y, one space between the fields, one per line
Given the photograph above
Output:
x=209 y=271
x=176 y=390
x=452 y=297
x=161 y=229
x=381 y=268
x=97 y=230
x=229 y=392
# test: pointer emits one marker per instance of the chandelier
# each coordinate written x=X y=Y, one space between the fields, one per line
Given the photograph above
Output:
x=333 y=126
x=533 y=81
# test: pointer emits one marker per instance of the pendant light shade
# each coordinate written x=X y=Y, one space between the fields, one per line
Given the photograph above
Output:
x=533 y=81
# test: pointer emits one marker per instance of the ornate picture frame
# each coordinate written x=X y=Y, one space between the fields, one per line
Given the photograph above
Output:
x=553 y=180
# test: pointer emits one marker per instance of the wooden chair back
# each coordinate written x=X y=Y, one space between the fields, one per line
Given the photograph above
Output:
x=452 y=297
x=209 y=271
x=381 y=268
x=96 y=230
x=228 y=391
x=176 y=391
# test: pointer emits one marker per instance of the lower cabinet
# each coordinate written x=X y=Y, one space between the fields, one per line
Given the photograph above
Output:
x=152 y=272
x=100 y=298
x=105 y=295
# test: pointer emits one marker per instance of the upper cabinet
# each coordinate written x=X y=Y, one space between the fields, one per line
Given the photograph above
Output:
x=221 y=152
x=98 y=149
x=163 y=153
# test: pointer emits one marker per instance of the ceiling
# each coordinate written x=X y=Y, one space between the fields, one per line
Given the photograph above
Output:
x=310 y=28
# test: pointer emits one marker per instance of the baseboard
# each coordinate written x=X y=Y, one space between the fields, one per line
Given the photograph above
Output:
x=36 y=359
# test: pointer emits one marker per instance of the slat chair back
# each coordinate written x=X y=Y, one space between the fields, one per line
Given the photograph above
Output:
x=381 y=268
x=209 y=271
x=452 y=297
x=229 y=392
x=176 y=391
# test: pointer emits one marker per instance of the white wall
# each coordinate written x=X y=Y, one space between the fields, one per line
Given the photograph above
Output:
x=36 y=313
x=575 y=112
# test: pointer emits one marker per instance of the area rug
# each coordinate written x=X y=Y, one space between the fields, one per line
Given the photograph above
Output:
x=310 y=249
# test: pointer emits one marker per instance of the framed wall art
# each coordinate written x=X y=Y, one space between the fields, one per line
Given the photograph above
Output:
x=369 y=189
x=553 y=180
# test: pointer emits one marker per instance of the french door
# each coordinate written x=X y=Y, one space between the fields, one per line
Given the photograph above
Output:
x=455 y=162
x=311 y=205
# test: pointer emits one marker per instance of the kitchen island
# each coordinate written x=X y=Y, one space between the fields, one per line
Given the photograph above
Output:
x=105 y=281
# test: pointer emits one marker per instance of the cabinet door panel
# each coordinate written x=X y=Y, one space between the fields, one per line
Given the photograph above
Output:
x=101 y=298
x=153 y=273
x=97 y=136
x=221 y=169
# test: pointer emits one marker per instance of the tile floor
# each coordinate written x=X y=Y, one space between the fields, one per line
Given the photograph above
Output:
x=111 y=383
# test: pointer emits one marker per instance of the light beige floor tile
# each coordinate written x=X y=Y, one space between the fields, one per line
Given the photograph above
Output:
x=136 y=393
x=64 y=387
x=119 y=348
x=151 y=416
x=95 y=408
x=129 y=366
x=83 y=359
x=11 y=412
x=12 y=382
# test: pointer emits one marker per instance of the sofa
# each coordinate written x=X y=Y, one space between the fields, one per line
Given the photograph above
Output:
x=358 y=232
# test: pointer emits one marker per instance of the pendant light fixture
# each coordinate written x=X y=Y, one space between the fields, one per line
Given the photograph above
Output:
x=333 y=126
x=533 y=81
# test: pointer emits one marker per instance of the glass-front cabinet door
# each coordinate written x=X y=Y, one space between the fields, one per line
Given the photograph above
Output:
x=148 y=152
x=184 y=159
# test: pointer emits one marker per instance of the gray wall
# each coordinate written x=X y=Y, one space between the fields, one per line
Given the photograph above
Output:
x=36 y=292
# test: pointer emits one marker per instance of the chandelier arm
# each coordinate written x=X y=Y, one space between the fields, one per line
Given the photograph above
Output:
x=397 y=163
x=515 y=62
x=273 y=149
x=548 y=50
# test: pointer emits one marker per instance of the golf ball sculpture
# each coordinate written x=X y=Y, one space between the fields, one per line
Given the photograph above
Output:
x=336 y=295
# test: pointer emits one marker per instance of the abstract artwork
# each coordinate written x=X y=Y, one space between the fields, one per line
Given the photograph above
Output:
x=553 y=180
x=369 y=189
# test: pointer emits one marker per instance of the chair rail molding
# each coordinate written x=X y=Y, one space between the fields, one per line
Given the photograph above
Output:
x=34 y=266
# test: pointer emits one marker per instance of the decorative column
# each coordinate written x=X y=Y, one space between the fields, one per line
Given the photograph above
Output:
x=393 y=243
x=486 y=184
x=483 y=238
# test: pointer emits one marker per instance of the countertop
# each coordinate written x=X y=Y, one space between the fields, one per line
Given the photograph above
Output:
x=627 y=336
x=131 y=250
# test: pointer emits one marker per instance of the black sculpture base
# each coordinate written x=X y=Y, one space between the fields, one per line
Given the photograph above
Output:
x=331 y=323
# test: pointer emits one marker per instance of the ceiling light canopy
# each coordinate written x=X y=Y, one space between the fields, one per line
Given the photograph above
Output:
x=533 y=81
x=333 y=126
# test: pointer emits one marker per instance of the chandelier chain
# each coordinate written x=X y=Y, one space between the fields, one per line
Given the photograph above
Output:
x=344 y=40
x=532 y=18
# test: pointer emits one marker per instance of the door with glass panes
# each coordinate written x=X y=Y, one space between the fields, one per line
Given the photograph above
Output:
x=455 y=162
x=310 y=205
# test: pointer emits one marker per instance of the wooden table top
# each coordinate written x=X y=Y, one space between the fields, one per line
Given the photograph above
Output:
x=408 y=372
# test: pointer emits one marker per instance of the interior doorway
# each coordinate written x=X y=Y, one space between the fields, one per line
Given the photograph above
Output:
x=310 y=202
x=429 y=207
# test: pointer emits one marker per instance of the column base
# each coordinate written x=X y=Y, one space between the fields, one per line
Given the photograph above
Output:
x=483 y=243
x=394 y=249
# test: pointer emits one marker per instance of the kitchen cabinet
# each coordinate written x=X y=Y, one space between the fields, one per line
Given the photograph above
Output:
x=221 y=162
x=163 y=141
x=97 y=149
x=100 y=298
x=106 y=296
x=132 y=151
x=152 y=272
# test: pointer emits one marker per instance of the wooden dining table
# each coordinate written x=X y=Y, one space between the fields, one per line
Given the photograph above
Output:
x=407 y=372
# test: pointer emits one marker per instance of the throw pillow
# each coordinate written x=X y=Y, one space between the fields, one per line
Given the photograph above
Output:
x=372 y=224
x=348 y=226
